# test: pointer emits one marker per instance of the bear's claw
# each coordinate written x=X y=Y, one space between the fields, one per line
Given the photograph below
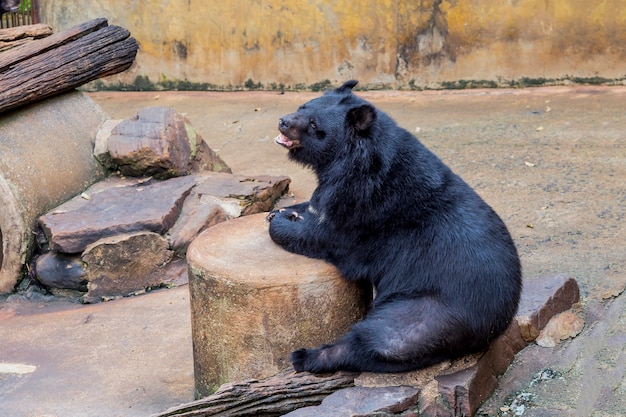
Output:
x=293 y=216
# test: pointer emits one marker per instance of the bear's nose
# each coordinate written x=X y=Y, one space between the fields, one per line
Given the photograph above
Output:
x=283 y=124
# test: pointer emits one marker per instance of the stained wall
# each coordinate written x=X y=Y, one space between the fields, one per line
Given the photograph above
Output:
x=392 y=43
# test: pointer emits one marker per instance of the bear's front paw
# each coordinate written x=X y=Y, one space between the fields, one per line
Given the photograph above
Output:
x=291 y=215
x=271 y=216
x=294 y=216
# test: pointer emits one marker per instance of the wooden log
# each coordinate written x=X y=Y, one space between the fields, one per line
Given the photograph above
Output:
x=5 y=46
x=22 y=35
x=63 y=61
x=272 y=396
x=13 y=57
x=37 y=31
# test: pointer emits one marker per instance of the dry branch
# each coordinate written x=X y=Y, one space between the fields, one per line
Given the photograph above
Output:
x=63 y=61
x=273 y=396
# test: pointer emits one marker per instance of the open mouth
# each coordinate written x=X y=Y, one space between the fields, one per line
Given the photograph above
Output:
x=285 y=141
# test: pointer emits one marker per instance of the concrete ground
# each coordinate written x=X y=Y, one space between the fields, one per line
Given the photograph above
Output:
x=551 y=161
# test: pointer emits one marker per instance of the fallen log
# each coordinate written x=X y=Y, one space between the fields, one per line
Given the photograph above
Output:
x=63 y=61
x=273 y=396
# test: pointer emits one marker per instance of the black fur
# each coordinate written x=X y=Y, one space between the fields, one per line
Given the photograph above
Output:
x=8 y=6
x=446 y=272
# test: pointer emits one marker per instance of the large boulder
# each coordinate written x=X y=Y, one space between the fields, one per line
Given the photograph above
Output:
x=159 y=142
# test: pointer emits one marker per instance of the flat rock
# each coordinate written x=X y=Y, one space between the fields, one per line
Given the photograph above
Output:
x=219 y=197
x=197 y=214
x=124 y=264
x=255 y=194
x=159 y=142
x=363 y=401
x=542 y=298
x=116 y=208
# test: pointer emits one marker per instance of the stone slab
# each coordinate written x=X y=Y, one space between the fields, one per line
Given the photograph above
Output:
x=542 y=298
x=115 y=210
x=123 y=264
x=219 y=197
x=363 y=401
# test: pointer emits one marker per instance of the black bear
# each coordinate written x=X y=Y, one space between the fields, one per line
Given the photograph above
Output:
x=445 y=271
x=8 y=6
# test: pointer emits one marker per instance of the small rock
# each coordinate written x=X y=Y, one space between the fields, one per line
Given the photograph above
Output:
x=466 y=389
x=124 y=264
x=562 y=326
x=56 y=270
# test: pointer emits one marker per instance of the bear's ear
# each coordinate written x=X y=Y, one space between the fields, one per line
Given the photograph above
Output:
x=361 y=118
x=347 y=87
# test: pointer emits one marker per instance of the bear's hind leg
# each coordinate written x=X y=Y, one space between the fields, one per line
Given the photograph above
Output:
x=396 y=337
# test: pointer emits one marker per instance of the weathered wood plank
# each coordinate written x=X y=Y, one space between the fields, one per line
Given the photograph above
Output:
x=273 y=396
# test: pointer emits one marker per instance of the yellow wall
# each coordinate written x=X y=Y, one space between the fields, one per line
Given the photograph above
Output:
x=393 y=43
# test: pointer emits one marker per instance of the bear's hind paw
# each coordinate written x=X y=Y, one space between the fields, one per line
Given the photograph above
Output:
x=298 y=359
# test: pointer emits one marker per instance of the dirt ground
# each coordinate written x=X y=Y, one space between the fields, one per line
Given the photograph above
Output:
x=552 y=163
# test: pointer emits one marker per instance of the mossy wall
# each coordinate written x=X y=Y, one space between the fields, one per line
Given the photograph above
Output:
x=383 y=43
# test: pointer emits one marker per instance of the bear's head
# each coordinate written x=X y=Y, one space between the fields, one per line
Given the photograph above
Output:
x=316 y=132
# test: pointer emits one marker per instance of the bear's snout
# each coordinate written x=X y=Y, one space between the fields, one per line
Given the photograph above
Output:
x=293 y=121
x=283 y=124
x=288 y=137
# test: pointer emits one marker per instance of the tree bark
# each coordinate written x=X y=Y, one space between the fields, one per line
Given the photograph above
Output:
x=20 y=35
x=273 y=396
x=63 y=61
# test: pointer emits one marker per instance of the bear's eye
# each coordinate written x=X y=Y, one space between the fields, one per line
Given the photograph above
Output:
x=312 y=124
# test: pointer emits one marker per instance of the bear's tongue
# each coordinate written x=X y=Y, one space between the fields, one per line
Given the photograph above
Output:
x=283 y=140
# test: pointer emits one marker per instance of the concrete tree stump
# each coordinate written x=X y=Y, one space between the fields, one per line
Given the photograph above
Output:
x=46 y=157
x=252 y=303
